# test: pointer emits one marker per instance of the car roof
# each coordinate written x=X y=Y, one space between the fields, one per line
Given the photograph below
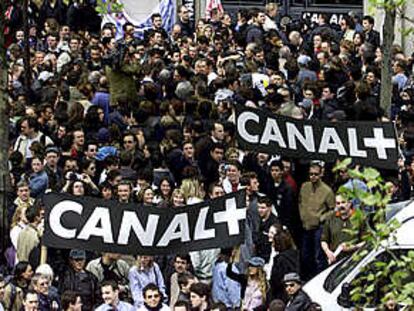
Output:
x=405 y=234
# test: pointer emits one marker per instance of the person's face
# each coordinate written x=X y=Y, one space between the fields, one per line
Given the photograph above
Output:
x=124 y=192
x=77 y=264
x=181 y=308
x=314 y=174
x=208 y=32
x=261 y=18
x=19 y=35
x=129 y=143
x=254 y=185
x=217 y=154
x=91 y=170
x=252 y=271
x=37 y=165
x=196 y=300
x=42 y=286
x=109 y=295
x=39 y=58
x=263 y=210
x=366 y=25
x=342 y=206
x=152 y=298
x=186 y=288
x=370 y=78
x=165 y=188
x=226 y=20
x=78 y=188
x=78 y=138
x=180 y=265
x=74 y=45
x=233 y=173
x=276 y=80
x=101 y=114
x=91 y=151
x=271 y=234
x=148 y=196
x=61 y=132
x=24 y=128
x=107 y=193
x=218 y=132
x=217 y=192
x=52 y=42
x=31 y=303
x=292 y=288
x=157 y=22
x=326 y=93
x=106 y=33
x=70 y=165
x=342 y=23
x=178 y=199
x=325 y=47
x=78 y=304
x=146 y=261
x=27 y=275
x=357 y=40
x=95 y=55
x=184 y=14
x=188 y=151
x=23 y=193
x=317 y=41
x=276 y=173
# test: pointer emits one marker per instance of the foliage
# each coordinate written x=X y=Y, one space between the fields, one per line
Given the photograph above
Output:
x=380 y=280
x=108 y=6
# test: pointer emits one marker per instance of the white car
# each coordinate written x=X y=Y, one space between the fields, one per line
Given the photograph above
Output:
x=331 y=287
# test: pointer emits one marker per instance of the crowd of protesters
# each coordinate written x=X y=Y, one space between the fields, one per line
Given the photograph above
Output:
x=150 y=120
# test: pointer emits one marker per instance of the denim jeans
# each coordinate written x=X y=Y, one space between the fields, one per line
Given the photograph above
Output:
x=313 y=257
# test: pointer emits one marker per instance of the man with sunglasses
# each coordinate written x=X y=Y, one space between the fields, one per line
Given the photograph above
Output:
x=298 y=299
x=152 y=299
x=316 y=202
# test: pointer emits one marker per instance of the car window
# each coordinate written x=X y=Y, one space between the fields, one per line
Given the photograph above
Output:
x=379 y=291
x=339 y=273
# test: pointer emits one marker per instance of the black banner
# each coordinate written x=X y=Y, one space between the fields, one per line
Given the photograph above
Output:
x=368 y=143
x=109 y=226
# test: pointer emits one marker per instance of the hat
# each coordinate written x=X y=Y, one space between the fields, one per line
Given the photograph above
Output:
x=256 y=262
x=77 y=254
x=52 y=149
x=292 y=277
x=303 y=59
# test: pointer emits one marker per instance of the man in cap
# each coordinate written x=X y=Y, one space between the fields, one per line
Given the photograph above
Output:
x=298 y=299
x=77 y=279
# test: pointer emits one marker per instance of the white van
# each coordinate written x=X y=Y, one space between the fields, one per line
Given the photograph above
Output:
x=331 y=287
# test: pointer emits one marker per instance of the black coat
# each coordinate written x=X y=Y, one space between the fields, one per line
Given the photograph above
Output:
x=299 y=302
x=283 y=263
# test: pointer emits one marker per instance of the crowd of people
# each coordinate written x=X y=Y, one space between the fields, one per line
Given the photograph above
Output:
x=150 y=120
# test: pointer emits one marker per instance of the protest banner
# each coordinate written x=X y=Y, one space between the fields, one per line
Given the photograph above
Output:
x=109 y=226
x=368 y=143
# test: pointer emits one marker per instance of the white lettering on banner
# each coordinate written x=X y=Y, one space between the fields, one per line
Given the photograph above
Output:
x=330 y=141
x=353 y=144
x=130 y=221
x=307 y=141
x=180 y=221
x=241 y=125
x=231 y=216
x=101 y=216
x=272 y=132
x=380 y=143
x=56 y=215
x=201 y=233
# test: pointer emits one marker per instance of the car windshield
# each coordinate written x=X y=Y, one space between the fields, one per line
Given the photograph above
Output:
x=339 y=273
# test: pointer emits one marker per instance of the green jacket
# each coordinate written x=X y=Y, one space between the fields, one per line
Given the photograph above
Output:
x=315 y=204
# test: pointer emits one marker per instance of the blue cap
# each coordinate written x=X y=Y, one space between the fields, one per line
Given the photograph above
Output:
x=256 y=262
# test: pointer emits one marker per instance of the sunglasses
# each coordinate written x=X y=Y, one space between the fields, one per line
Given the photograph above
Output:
x=313 y=174
x=287 y=285
x=153 y=296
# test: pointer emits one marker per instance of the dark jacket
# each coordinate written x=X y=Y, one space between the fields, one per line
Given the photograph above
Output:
x=254 y=34
x=283 y=263
x=85 y=283
x=261 y=240
x=373 y=37
x=299 y=302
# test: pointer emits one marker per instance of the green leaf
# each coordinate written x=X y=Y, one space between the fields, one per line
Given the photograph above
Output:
x=342 y=165
x=371 y=174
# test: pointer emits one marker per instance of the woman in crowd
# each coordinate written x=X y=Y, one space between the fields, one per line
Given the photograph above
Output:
x=144 y=272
